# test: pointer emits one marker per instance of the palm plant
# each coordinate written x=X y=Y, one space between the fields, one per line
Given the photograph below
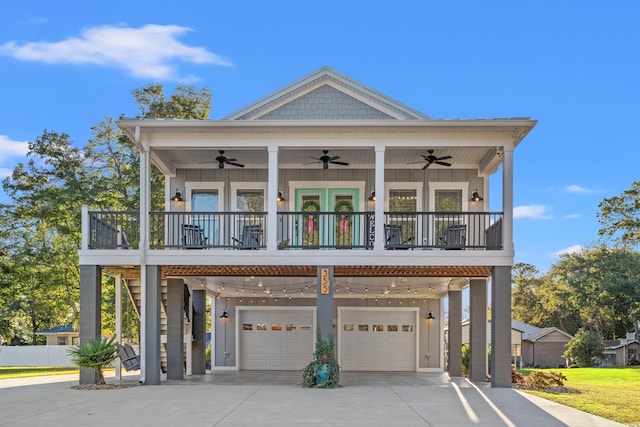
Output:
x=96 y=354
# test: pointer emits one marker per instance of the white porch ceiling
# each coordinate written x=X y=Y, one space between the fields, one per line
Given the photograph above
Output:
x=358 y=158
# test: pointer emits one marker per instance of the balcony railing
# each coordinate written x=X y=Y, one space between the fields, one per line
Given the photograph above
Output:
x=298 y=230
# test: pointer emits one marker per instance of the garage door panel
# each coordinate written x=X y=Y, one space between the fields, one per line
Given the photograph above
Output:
x=281 y=345
x=383 y=340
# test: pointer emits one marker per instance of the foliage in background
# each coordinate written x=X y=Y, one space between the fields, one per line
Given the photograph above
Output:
x=324 y=356
x=466 y=358
x=96 y=354
x=40 y=228
x=598 y=288
x=620 y=217
x=584 y=348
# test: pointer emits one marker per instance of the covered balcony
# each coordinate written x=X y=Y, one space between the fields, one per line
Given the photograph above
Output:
x=297 y=230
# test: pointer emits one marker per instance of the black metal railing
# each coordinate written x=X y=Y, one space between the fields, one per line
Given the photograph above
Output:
x=202 y=230
x=114 y=230
x=443 y=230
x=325 y=230
x=298 y=230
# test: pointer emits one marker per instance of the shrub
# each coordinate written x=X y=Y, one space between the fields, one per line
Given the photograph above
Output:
x=323 y=371
x=539 y=380
x=584 y=347
x=96 y=354
x=516 y=377
x=466 y=354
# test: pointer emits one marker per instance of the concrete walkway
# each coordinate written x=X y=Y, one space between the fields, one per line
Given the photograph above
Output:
x=259 y=398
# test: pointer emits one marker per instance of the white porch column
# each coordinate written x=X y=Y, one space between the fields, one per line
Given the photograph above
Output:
x=118 y=280
x=380 y=197
x=272 y=197
x=507 y=198
x=145 y=191
x=478 y=330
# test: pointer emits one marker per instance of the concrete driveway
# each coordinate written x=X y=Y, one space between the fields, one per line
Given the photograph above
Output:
x=260 y=398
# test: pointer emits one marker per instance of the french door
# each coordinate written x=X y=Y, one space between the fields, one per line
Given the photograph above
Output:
x=326 y=218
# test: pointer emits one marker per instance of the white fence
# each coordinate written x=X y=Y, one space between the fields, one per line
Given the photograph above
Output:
x=35 y=355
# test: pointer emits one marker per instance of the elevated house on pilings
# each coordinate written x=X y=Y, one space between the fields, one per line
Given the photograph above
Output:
x=326 y=206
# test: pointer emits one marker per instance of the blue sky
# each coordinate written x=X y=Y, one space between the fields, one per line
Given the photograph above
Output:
x=572 y=65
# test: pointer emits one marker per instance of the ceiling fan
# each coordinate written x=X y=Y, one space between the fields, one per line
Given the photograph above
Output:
x=222 y=160
x=429 y=159
x=325 y=159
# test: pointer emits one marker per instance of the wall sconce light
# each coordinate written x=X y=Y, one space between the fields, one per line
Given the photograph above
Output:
x=177 y=197
x=372 y=197
x=224 y=315
x=429 y=316
x=280 y=196
x=475 y=197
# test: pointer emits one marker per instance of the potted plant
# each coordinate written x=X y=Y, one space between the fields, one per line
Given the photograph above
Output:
x=96 y=354
x=323 y=371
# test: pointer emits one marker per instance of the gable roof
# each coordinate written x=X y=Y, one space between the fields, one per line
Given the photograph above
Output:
x=326 y=95
x=533 y=333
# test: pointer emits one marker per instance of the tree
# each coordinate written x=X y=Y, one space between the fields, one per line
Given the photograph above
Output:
x=40 y=229
x=620 y=217
x=584 y=347
x=603 y=284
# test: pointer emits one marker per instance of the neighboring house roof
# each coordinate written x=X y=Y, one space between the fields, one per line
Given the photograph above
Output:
x=533 y=333
x=304 y=100
x=621 y=344
x=58 y=330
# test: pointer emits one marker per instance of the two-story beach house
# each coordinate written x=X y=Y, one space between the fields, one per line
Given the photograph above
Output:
x=325 y=206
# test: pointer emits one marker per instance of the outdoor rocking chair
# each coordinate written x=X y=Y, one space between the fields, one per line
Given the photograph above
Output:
x=251 y=237
x=193 y=237
x=394 y=239
x=130 y=360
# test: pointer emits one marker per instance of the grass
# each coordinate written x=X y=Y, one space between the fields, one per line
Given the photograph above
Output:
x=7 y=372
x=612 y=393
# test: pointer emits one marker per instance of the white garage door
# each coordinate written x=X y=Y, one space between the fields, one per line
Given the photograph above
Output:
x=275 y=339
x=375 y=340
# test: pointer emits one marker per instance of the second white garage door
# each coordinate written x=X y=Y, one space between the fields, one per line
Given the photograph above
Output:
x=275 y=339
x=377 y=339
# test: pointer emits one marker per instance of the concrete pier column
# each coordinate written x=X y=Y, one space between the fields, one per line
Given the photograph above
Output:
x=151 y=350
x=199 y=323
x=325 y=303
x=455 y=333
x=90 y=309
x=175 y=329
x=501 y=327
x=478 y=330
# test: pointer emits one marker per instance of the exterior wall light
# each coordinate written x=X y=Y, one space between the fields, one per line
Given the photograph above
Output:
x=475 y=197
x=280 y=197
x=430 y=316
x=372 y=197
x=177 y=197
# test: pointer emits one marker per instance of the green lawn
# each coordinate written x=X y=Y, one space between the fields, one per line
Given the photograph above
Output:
x=7 y=372
x=611 y=393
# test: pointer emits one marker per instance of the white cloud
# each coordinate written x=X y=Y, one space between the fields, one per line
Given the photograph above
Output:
x=146 y=52
x=570 y=250
x=11 y=148
x=573 y=216
x=531 y=211
x=578 y=189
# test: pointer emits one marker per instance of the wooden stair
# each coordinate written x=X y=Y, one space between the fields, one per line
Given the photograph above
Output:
x=135 y=294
